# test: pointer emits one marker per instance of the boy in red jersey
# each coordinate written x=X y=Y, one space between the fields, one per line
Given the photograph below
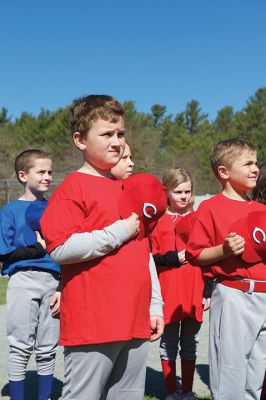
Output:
x=237 y=314
x=106 y=317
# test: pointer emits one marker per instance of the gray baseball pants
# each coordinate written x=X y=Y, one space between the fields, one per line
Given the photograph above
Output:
x=30 y=325
x=108 y=371
x=237 y=344
x=184 y=334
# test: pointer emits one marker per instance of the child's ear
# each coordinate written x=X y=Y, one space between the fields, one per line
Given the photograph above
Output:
x=79 y=141
x=223 y=172
x=22 y=176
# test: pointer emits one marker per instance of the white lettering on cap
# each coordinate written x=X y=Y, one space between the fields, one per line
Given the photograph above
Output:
x=255 y=237
x=145 y=212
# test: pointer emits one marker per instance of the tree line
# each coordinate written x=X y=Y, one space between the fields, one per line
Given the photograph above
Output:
x=158 y=140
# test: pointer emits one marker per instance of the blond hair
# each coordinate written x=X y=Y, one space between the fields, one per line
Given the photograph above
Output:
x=226 y=152
x=175 y=177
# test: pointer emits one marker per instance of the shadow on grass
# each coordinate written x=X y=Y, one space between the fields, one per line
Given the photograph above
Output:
x=154 y=383
x=203 y=372
x=31 y=387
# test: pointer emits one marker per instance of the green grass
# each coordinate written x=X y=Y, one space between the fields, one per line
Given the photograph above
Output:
x=157 y=398
x=3 y=285
x=150 y=398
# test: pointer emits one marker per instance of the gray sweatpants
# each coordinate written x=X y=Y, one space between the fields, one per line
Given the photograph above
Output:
x=30 y=325
x=183 y=334
x=108 y=371
x=237 y=344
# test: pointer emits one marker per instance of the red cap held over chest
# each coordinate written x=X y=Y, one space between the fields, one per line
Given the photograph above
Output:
x=145 y=195
x=253 y=230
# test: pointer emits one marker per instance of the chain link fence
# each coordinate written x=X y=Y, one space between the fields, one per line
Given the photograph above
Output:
x=11 y=189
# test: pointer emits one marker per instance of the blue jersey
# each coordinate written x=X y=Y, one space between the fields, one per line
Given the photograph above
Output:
x=14 y=233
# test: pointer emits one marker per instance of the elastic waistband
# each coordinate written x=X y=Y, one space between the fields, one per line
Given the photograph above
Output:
x=50 y=271
x=245 y=285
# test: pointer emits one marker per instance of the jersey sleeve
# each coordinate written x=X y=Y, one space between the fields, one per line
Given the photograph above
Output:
x=24 y=253
x=61 y=219
x=7 y=232
x=67 y=237
x=201 y=235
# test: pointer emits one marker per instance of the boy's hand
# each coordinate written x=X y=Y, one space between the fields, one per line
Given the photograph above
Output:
x=206 y=302
x=40 y=239
x=182 y=257
x=233 y=244
x=55 y=303
x=157 y=327
x=132 y=224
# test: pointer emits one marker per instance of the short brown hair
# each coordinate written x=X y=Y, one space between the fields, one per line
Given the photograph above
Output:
x=224 y=153
x=25 y=160
x=88 y=109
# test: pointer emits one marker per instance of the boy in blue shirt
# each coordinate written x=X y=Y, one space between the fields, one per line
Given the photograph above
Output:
x=32 y=297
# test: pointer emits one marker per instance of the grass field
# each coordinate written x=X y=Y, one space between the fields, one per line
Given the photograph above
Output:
x=3 y=285
x=156 y=398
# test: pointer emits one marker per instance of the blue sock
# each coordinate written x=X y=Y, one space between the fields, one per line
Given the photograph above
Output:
x=45 y=386
x=16 y=390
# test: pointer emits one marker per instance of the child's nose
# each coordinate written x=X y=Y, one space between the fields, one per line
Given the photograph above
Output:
x=116 y=140
x=47 y=176
x=255 y=169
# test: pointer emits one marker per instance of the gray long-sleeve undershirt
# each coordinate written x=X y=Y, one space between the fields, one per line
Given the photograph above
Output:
x=98 y=243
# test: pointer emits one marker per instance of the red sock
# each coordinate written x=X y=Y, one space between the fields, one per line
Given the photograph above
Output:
x=187 y=373
x=263 y=392
x=169 y=375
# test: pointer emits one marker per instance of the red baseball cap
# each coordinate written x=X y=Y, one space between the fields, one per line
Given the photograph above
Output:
x=253 y=230
x=145 y=195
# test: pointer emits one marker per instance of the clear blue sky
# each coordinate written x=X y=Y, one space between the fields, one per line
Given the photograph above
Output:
x=149 y=51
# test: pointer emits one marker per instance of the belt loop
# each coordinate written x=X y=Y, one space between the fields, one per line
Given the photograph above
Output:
x=251 y=286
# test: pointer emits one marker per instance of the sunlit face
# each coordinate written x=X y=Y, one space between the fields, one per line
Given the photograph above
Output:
x=124 y=168
x=179 y=198
x=243 y=173
x=39 y=177
x=104 y=144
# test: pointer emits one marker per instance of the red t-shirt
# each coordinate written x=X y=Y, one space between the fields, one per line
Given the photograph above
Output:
x=106 y=299
x=213 y=221
x=182 y=287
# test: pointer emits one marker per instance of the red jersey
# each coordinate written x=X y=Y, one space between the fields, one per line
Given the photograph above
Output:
x=213 y=220
x=182 y=287
x=106 y=299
